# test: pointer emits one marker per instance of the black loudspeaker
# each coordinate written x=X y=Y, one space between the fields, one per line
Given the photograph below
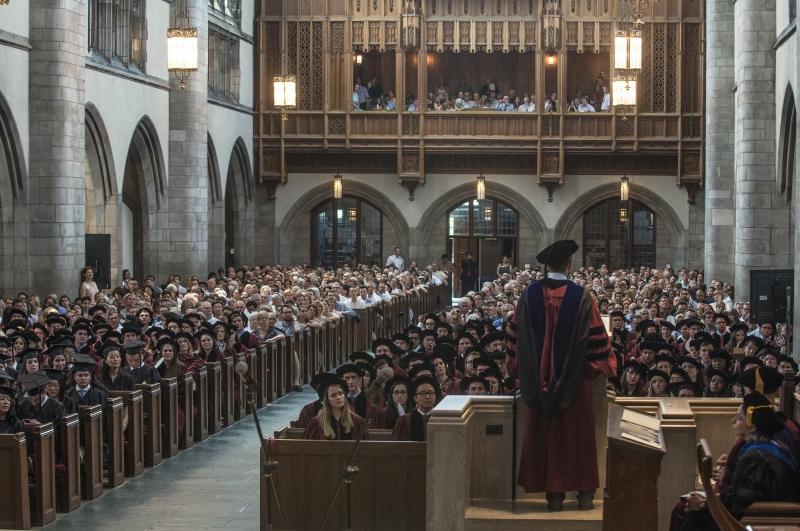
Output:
x=771 y=297
x=98 y=255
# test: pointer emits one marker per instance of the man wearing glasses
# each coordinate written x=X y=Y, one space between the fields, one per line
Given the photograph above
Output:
x=414 y=426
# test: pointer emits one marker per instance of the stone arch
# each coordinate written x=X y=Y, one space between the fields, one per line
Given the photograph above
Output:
x=216 y=210
x=432 y=229
x=14 y=262
x=142 y=199
x=240 y=222
x=294 y=233
x=101 y=199
x=670 y=232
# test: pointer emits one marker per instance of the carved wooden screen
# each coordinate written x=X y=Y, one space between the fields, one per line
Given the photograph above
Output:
x=658 y=81
x=304 y=49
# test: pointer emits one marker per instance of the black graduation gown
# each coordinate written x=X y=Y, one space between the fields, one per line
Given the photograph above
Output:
x=10 y=424
x=314 y=430
x=52 y=411
x=359 y=405
x=93 y=397
x=144 y=374
x=124 y=382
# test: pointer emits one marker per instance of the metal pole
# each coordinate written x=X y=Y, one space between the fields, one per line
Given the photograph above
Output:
x=514 y=448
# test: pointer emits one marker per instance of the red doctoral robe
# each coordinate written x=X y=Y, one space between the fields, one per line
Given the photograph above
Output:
x=557 y=345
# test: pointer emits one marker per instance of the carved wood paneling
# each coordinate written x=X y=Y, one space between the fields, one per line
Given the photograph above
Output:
x=644 y=85
x=671 y=60
x=659 y=67
x=692 y=71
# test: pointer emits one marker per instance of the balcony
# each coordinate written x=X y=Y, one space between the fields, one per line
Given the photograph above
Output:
x=468 y=130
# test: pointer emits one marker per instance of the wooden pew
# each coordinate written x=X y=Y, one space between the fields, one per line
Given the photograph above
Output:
x=186 y=402
x=297 y=433
x=91 y=426
x=200 y=414
x=68 y=472
x=310 y=470
x=214 y=397
x=262 y=395
x=151 y=406
x=133 y=455
x=15 y=511
x=169 y=417
x=270 y=382
x=227 y=392
x=114 y=438
x=254 y=363
x=285 y=364
x=239 y=410
x=43 y=489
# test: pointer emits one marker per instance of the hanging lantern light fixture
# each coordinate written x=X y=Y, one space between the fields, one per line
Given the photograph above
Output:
x=284 y=89
x=181 y=45
x=624 y=194
x=481 y=188
x=337 y=186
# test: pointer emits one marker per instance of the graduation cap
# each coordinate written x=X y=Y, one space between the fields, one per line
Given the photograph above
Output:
x=96 y=308
x=131 y=328
x=764 y=380
x=655 y=346
x=711 y=372
x=324 y=384
x=28 y=354
x=167 y=340
x=761 y=414
x=406 y=360
x=741 y=327
x=426 y=333
x=446 y=326
x=786 y=359
x=751 y=361
x=419 y=381
x=83 y=362
x=109 y=347
x=387 y=343
x=133 y=348
x=702 y=339
x=401 y=337
x=348 y=368
x=33 y=381
x=644 y=324
x=57 y=375
x=689 y=322
x=86 y=327
x=361 y=357
x=7 y=386
x=488 y=339
x=641 y=368
x=468 y=380
x=99 y=327
x=16 y=325
x=416 y=370
x=557 y=253
x=680 y=372
x=652 y=373
x=446 y=355
x=665 y=357
x=757 y=341
x=667 y=324
x=692 y=361
x=676 y=388
x=384 y=358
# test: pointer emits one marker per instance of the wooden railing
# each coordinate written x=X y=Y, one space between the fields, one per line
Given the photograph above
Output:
x=140 y=429
x=304 y=128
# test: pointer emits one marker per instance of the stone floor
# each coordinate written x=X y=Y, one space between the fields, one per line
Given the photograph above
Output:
x=213 y=485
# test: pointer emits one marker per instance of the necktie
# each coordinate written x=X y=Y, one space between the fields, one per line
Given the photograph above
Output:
x=82 y=393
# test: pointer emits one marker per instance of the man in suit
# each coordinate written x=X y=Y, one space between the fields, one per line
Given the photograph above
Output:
x=469 y=274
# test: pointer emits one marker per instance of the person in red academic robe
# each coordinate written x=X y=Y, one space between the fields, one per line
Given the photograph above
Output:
x=335 y=420
x=311 y=409
x=557 y=344
x=414 y=426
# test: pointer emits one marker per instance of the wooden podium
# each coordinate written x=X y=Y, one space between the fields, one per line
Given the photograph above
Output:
x=635 y=448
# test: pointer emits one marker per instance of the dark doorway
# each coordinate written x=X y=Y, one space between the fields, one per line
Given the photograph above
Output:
x=98 y=255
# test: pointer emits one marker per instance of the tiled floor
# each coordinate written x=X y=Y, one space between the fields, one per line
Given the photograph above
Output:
x=213 y=485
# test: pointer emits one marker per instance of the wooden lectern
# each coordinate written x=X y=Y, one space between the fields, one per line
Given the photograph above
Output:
x=635 y=449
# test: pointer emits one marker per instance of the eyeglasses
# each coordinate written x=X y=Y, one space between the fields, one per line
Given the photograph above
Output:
x=426 y=393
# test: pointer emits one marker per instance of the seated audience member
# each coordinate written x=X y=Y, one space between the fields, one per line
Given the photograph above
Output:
x=9 y=423
x=139 y=371
x=112 y=376
x=585 y=106
x=335 y=420
x=85 y=392
x=413 y=426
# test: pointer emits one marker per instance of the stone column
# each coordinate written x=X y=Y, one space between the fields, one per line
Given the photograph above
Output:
x=719 y=170
x=762 y=218
x=57 y=189
x=185 y=252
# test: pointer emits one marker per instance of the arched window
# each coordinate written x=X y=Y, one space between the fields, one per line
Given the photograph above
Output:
x=619 y=244
x=346 y=231
x=788 y=138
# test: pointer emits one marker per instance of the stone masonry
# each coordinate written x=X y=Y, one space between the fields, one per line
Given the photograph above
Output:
x=57 y=188
x=719 y=170
x=762 y=221
x=185 y=251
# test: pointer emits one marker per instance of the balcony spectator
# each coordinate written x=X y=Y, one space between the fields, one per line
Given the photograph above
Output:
x=605 y=104
x=505 y=105
x=489 y=87
x=375 y=92
x=571 y=106
x=460 y=104
x=355 y=99
x=599 y=84
x=528 y=105
x=391 y=101
x=585 y=106
x=410 y=98
x=463 y=86
x=442 y=91
x=475 y=103
x=431 y=101
x=551 y=104
x=363 y=94
x=414 y=106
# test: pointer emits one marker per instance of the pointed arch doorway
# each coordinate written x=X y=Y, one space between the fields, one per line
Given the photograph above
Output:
x=487 y=228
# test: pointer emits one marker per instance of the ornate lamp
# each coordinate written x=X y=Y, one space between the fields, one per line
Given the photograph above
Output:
x=181 y=45
x=337 y=186
x=480 y=191
x=623 y=197
x=284 y=89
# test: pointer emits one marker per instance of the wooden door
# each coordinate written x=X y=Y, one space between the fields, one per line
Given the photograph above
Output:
x=460 y=247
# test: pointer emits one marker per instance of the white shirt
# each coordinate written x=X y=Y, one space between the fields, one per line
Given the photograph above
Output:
x=396 y=261
x=556 y=276
x=585 y=107
x=606 y=102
